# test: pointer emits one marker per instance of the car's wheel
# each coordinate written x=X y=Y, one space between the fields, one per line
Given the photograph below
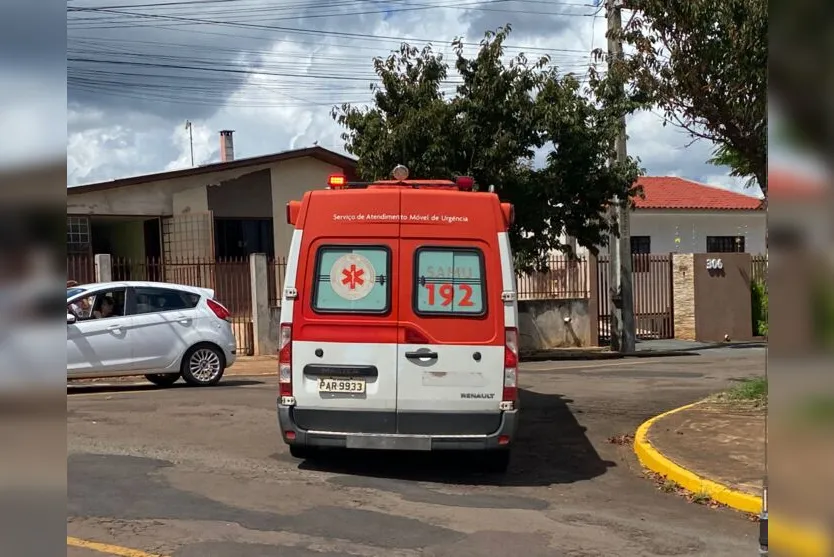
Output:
x=302 y=452
x=203 y=365
x=497 y=462
x=163 y=379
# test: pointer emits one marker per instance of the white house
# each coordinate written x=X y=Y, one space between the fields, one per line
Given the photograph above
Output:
x=682 y=216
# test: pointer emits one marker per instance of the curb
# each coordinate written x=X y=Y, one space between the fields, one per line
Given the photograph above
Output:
x=793 y=539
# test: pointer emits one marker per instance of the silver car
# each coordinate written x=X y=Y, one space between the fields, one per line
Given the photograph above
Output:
x=161 y=330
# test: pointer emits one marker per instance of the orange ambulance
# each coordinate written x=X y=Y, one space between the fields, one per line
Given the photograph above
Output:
x=399 y=320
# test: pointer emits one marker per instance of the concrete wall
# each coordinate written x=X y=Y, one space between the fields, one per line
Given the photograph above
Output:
x=543 y=325
x=723 y=304
x=290 y=180
x=272 y=340
x=249 y=196
x=153 y=199
x=710 y=303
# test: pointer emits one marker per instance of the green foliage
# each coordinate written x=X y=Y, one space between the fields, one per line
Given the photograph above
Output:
x=705 y=64
x=752 y=390
x=490 y=128
x=758 y=292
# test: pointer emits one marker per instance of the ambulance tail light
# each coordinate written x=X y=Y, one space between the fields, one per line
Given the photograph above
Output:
x=285 y=365
x=293 y=209
x=465 y=183
x=510 y=397
x=337 y=181
x=508 y=211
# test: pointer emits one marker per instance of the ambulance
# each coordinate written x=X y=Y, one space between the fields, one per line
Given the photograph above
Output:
x=399 y=320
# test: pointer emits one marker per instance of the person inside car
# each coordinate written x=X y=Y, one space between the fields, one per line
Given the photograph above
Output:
x=107 y=308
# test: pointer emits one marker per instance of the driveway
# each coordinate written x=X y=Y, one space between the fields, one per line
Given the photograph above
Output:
x=186 y=472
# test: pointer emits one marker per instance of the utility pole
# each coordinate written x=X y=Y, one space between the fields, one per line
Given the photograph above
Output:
x=621 y=299
x=188 y=126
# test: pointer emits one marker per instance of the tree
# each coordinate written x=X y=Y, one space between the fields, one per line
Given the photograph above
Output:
x=704 y=63
x=489 y=123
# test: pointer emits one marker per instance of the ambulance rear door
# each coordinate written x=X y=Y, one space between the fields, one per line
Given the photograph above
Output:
x=451 y=354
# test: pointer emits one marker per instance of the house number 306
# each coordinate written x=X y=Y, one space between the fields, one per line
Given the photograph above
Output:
x=714 y=264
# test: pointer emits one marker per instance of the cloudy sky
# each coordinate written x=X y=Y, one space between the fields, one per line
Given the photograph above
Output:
x=137 y=70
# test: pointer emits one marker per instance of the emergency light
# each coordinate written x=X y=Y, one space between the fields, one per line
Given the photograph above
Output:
x=465 y=183
x=336 y=181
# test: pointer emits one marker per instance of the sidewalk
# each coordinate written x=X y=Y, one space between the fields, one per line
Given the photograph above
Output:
x=716 y=449
x=716 y=441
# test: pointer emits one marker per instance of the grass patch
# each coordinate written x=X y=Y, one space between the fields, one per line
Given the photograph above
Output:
x=748 y=390
x=669 y=486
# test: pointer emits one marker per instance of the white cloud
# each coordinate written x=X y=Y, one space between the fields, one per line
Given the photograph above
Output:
x=119 y=126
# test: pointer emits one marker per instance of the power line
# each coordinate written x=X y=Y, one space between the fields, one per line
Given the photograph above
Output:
x=298 y=30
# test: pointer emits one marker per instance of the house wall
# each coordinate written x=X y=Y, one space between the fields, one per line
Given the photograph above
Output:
x=290 y=180
x=249 y=196
x=693 y=228
x=154 y=199
x=191 y=200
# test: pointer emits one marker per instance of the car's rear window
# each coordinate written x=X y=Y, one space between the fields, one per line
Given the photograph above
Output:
x=352 y=279
x=449 y=281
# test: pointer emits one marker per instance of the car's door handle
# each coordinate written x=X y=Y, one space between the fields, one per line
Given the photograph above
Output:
x=115 y=327
x=421 y=355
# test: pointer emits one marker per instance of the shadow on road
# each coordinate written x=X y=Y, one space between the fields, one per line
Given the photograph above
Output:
x=93 y=388
x=551 y=448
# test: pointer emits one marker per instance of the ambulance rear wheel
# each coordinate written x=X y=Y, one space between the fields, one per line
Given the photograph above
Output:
x=497 y=462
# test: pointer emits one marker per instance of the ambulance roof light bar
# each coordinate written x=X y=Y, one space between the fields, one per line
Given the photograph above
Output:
x=336 y=181
x=465 y=183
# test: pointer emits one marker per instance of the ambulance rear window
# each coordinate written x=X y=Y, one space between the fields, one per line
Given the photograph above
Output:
x=352 y=279
x=449 y=281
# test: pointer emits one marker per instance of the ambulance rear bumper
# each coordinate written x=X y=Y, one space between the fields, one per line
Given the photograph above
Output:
x=501 y=439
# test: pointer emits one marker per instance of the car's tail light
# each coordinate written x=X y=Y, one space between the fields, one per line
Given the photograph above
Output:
x=219 y=310
x=510 y=396
x=285 y=364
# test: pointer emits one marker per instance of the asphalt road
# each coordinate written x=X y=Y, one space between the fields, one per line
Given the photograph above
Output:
x=186 y=472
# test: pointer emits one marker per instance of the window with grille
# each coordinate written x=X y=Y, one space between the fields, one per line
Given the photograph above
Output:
x=78 y=235
x=725 y=244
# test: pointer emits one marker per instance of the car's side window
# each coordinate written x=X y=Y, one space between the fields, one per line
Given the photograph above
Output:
x=449 y=281
x=102 y=304
x=156 y=300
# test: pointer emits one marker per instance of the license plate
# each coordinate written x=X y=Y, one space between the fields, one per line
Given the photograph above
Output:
x=352 y=386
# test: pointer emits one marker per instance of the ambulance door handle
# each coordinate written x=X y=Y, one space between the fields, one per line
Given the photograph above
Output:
x=420 y=354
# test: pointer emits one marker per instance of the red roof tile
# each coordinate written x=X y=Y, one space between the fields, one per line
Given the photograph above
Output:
x=671 y=192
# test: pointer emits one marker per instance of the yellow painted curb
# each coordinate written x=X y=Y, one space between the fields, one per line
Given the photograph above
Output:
x=108 y=548
x=783 y=536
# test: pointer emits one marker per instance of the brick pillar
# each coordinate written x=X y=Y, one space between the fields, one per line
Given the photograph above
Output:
x=683 y=295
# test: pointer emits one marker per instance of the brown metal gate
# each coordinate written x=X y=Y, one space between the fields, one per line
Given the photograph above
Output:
x=189 y=258
x=652 y=287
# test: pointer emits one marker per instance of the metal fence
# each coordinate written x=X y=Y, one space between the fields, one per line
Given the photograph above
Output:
x=81 y=268
x=565 y=278
x=759 y=268
x=651 y=280
x=275 y=270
